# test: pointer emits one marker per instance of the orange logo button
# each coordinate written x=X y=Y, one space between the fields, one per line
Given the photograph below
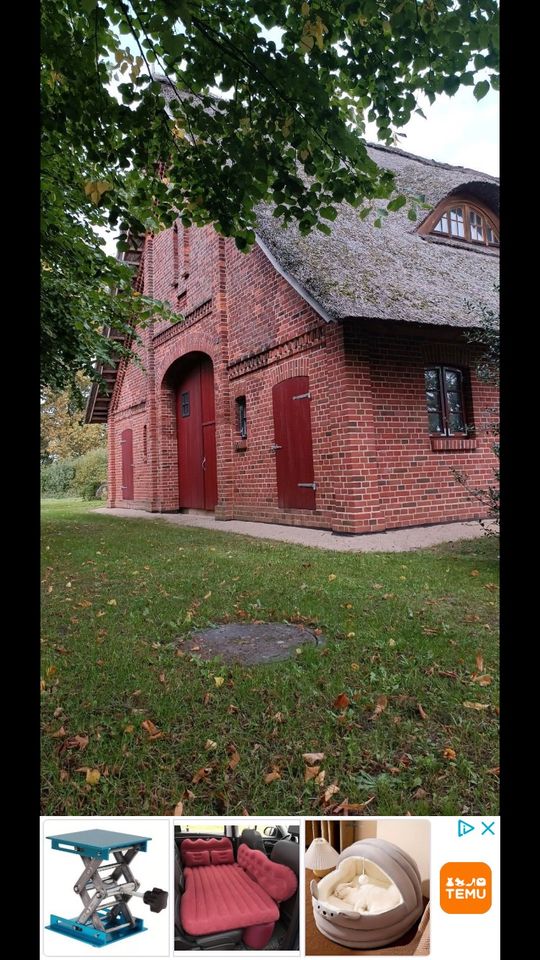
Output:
x=465 y=887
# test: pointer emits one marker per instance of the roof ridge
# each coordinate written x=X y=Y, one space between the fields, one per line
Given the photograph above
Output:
x=429 y=162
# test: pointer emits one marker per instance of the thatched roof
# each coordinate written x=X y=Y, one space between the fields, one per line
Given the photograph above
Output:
x=391 y=272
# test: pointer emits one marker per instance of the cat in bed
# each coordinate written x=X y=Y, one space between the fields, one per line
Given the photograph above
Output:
x=366 y=896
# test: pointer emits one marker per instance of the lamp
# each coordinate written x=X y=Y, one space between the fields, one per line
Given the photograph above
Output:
x=321 y=857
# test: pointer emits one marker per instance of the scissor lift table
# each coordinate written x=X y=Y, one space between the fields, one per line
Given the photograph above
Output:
x=105 y=888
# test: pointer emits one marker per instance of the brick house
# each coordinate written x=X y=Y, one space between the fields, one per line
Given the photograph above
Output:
x=321 y=381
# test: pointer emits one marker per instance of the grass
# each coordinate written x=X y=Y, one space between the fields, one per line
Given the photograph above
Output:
x=121 y=596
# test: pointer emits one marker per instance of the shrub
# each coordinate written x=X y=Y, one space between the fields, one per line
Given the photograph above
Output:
x=89 y=491
x=90 y=471
x=57 y=478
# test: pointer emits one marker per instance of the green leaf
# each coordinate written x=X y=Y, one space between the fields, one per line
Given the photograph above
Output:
x=329 y=213
x=397 y=203
x=481 y=89
x=324 y=228
x=89 y=5
x=411 y=214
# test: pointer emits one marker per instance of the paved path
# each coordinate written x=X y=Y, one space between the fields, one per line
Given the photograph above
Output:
x=394 y=541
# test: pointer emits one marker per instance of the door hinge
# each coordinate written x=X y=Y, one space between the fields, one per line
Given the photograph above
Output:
x=303 y=396
x=312 y=486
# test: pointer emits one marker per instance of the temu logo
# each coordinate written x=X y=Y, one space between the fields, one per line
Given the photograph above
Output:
x=465 y=887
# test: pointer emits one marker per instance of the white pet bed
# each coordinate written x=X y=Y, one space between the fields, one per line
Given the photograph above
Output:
x=372 y=897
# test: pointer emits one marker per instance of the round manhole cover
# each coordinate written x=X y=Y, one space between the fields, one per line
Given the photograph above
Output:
x=250 y=642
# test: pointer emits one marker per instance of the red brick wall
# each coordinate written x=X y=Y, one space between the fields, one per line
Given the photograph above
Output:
x=374 y=465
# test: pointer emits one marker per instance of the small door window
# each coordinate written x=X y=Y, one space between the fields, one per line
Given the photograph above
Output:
x=184 y=404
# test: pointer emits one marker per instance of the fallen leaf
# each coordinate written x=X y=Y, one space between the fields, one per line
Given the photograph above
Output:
x=210 y=745
x=64 y=776
x=162 y=678
x=51 y=671
x=331 y=577
x=483 y=681
x=150 y=728
x=495 y=771
x=207 y=595
x=355 y=666
x=479 y=661
x=310 y=773
x=471 y=705
x=194 y=649
x=92 y=777
x=58 y=712
x=129 y=729
x=422 y=712
x=74 y=743
x=232 y=708
x=475 y=573
x=342 y=701
x=449 y=754
x=234 y=760
x=420 y=794
x=377 y=586
x=219 y=681
x=348 y=808
x=206 y=699
x=59 y=733
x=201 y=774
x=381 y=705
x=111 y=603
x=350 y=637
x=330 y=791
x=312 y=758
x=388 y=596
x=179 y=809
x=270 y=777
x=391 y=642
x=189 y=795
x=278 y=717
x=320 y=778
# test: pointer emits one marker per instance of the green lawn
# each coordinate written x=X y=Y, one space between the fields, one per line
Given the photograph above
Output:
x=119 y=596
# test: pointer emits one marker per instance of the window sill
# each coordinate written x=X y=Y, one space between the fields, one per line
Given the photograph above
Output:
x=453 y=443
x=240 y=446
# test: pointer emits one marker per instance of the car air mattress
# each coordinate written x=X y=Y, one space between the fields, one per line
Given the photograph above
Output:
x=221 y=895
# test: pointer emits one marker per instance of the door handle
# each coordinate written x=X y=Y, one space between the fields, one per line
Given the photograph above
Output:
x=203 y=464
x=276 y=446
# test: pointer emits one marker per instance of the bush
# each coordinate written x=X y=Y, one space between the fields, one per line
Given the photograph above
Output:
x=90 y=472
x=57 y=478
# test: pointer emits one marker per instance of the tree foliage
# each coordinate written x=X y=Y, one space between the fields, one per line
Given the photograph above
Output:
x=63 y=433
x=273 y=100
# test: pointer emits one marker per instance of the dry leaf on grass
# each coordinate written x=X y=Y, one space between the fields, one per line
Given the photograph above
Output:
x=479 y=661
x=74 y=743
x=483 y=681
x=329 y=792
x=59 y=733
x=162 y=678
x=310 y=773
x=342 y=701
x=92 y=777
x=179 y=809
x=64 y=776
x=210 y=745
x=270 y=777
x=449 y=754
x=234 y=759
x=471 y=705
x=351 y=808
x=312 y=758
x=331 y=576
x=420 y=794
x=422 y=712
x=495 y=771
x=201 y=774
x=219 y=681
x=150 y=727
x=475 y=573
x=232 y=708
x=320 y=778
x=380 y=706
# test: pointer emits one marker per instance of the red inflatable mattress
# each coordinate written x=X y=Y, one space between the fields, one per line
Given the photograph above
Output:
x=222 y=895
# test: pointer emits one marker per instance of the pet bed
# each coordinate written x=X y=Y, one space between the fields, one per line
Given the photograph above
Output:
x=372 y=898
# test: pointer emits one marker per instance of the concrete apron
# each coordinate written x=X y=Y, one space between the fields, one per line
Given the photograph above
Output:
x=393 y=541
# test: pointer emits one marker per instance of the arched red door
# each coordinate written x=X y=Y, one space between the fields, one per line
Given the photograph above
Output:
x=196 y=420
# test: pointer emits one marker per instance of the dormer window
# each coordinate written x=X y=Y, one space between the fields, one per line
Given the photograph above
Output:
x=459 y=218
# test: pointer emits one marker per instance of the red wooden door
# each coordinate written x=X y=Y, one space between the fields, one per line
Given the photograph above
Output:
x=126 y=443
x=292 y=442
x=197 y=438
